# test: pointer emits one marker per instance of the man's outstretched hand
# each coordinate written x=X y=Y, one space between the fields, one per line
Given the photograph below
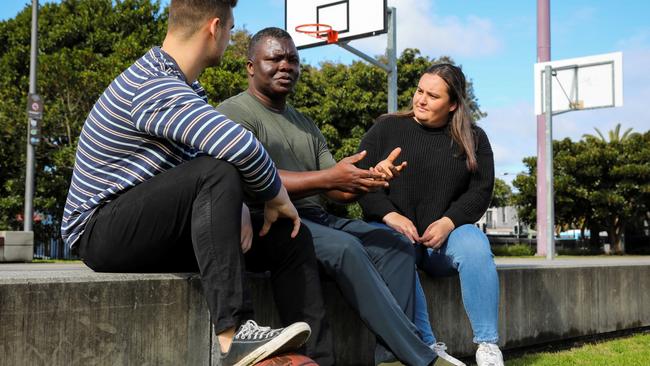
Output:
x=280 y=206
x=346 y=177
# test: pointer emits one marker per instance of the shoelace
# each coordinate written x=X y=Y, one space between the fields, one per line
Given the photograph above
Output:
x=250 y=330
x=440 y=347
x=492 y=356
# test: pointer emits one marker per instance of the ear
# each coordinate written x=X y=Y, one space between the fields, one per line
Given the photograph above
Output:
x=249 y=68
x=453 y=107
x=214 y=27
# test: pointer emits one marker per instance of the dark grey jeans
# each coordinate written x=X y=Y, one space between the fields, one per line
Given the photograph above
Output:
x=374 y=270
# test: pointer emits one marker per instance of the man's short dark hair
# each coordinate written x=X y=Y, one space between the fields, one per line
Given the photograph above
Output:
x=270 y=32
x=186 y=16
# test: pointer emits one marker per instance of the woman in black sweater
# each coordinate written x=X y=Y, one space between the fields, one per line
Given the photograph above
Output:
x=435 y=202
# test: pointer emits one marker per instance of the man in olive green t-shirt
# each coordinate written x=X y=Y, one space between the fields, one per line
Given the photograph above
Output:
x=374 y=268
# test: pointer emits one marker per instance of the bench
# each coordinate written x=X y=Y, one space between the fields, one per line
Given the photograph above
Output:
x=65 y=314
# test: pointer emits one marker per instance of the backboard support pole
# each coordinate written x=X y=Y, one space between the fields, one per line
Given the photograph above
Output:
x=391 y=53
x=548 y=169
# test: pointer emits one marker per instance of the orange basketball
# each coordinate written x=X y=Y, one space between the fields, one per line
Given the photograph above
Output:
x=288 y=359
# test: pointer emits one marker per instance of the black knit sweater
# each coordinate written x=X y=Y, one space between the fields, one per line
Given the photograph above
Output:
x=436 y=182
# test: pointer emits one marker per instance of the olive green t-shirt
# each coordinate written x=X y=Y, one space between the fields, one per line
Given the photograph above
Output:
x=292 y=140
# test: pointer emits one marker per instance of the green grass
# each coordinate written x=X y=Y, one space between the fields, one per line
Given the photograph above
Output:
x=56 y=261
x=630 y=351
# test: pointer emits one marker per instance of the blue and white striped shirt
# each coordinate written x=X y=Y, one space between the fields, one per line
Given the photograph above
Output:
x=147 y=121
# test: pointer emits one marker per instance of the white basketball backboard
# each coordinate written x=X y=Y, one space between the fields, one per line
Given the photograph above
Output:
x=353 y=19
x=581 y=83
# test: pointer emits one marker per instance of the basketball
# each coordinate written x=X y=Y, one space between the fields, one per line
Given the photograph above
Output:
x=288 y=359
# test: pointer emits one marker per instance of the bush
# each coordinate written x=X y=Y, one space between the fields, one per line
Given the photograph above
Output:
x=516 y=250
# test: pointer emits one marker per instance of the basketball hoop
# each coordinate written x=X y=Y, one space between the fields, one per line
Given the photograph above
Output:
x=320 y=31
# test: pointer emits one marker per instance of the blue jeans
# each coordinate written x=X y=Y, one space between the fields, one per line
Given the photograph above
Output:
x=466 y=253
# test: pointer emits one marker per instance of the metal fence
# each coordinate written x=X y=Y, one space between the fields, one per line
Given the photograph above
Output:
x=54 y=248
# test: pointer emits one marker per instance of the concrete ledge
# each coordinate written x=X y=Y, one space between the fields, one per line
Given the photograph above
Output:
x=69 y=315
x=73 y=316
x=548 y=303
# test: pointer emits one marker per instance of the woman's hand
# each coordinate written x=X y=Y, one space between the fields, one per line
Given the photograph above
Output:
x=402 y=225
x=388 y=167
x=436 y=234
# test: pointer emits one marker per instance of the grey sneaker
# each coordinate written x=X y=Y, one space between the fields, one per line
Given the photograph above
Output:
x=489 y=354
x=444 y=359
x=253 y=343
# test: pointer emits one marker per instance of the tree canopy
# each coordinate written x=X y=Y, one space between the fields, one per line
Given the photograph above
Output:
x=599 y=185
x=502 y=194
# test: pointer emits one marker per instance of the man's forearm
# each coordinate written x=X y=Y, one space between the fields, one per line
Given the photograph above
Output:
x=303 y=184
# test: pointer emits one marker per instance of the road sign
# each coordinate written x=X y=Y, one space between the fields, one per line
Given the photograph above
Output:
x=35 y=106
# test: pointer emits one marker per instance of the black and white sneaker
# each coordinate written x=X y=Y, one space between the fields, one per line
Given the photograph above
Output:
x=253 y=343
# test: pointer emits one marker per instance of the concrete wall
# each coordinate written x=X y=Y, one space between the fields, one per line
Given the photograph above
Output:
x=545 y=304
x=77 y=317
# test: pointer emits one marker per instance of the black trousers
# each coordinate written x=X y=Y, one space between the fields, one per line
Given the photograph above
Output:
x=188 y=219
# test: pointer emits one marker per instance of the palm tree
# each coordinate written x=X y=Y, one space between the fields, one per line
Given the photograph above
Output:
x=614 y=135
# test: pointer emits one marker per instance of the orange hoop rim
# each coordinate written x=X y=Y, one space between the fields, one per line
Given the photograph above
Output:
x=327 y=32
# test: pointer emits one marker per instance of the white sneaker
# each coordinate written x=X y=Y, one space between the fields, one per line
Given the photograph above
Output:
x=489 y=354
x=444 y=359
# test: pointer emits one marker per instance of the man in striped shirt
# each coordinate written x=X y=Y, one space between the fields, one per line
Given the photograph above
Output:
x=157 y=186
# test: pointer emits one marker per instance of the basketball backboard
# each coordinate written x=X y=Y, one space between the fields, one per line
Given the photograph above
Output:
x=581 y=83
x=352 y=19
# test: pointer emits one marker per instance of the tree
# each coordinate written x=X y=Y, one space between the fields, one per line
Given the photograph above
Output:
x=598 y=184
x=502 y=195
x=83 y=45
x=614 y=135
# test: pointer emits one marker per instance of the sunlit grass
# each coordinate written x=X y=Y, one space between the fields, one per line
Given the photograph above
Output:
x=630 y=351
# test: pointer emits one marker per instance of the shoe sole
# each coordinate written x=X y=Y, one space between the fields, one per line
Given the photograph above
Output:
x=444 y=362
x=291 y=338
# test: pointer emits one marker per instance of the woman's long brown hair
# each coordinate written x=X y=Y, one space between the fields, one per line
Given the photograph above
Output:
x=461 y=125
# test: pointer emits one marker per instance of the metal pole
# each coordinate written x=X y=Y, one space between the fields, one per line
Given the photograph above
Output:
x=550 y=207
x=543 y=55
x=29 y=173
x=391 y=53
x=371 y=60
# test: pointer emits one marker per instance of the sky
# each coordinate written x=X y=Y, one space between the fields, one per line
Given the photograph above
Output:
x=495 y=42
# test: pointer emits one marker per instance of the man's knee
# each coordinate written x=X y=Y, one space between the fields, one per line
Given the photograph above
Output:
x=209 y=169
x=338 y=252
x=208 y=164
x=390 y=242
